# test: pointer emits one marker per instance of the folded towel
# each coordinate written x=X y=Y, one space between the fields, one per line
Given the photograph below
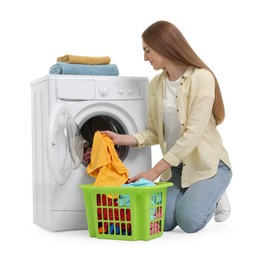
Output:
x=84 y=59
x=81 y=69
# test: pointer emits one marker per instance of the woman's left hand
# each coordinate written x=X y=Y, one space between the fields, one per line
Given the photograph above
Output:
x=150 y=175
x=153 y=173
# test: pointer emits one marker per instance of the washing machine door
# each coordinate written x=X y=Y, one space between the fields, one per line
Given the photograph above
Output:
x=65 y=144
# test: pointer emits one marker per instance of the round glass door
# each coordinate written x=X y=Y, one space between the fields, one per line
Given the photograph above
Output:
x=65 y=144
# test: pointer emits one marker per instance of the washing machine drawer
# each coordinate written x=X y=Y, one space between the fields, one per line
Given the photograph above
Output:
x=75 y=89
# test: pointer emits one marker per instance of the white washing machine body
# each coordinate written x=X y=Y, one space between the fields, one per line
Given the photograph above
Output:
x=66 y=111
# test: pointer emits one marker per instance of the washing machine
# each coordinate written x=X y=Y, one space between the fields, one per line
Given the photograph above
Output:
x=66 y=112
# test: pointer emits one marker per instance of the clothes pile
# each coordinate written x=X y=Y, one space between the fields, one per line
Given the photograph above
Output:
x=84 y=65
x=119 y=217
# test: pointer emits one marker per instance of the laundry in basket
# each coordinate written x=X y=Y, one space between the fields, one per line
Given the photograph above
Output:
x=125 y=213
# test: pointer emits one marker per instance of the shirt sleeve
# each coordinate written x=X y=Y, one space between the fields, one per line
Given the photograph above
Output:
x=150 y=135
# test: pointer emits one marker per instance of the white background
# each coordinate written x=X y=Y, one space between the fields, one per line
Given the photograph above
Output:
x=34 y=33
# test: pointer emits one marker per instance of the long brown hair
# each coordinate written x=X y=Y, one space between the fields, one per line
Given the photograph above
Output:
x=166 y=39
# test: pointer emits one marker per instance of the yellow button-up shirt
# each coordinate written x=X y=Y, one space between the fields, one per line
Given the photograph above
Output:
x=200 y=146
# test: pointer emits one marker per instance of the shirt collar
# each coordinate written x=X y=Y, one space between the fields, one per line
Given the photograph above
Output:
x=187 y=73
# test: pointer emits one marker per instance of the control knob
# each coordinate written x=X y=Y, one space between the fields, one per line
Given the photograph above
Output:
x=103 y=92
x=130 y=91
x=120 y=91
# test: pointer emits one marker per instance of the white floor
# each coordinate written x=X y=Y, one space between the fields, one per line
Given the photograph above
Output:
x=217 y=241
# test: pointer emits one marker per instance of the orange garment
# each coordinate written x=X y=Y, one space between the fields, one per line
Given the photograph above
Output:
x=105 y=165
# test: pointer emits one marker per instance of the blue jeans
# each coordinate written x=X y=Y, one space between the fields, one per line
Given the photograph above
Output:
x=193 y=207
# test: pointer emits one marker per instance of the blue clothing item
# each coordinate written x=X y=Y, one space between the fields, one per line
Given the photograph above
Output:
x=115 y=229
x=124 y=199
x=193 y=207
x=83 y=69
x=112 y=229
x=140 y=182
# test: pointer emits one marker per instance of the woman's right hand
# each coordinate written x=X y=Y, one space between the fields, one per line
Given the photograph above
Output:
x=113 y=136
x=121 y=139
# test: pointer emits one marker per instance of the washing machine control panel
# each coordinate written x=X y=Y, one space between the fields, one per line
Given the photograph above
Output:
x=119 y=89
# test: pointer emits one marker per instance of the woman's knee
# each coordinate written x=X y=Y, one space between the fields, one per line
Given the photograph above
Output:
x=190 y=223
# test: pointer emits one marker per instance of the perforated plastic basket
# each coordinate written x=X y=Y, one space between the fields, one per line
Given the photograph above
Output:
x=125 y=213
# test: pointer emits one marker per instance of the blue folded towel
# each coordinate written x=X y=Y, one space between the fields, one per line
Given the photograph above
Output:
x=81 y=69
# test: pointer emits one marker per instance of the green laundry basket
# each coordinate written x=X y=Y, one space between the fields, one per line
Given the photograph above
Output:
x=125 y=213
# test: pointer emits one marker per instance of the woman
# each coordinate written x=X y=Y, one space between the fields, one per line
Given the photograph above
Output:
x=185 y=106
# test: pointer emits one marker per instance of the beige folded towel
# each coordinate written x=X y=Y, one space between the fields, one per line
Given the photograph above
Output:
x=84 y=59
